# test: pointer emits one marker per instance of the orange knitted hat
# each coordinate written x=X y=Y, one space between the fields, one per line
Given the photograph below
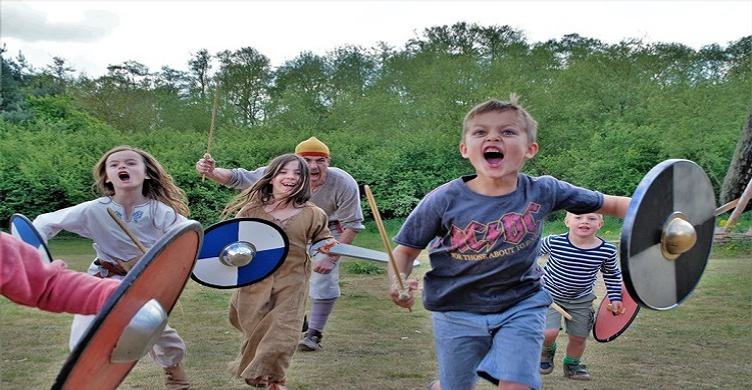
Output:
x=312 y=147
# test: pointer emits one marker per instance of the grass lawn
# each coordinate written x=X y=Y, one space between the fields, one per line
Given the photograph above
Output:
x=372 y=344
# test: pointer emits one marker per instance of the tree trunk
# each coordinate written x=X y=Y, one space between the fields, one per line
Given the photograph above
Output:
x=740 y=169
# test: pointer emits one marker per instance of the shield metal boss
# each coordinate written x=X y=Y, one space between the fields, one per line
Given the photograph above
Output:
x=672 y=188
x=269 y=243
x=22 y=228
x=160 y=275
x=608 y=326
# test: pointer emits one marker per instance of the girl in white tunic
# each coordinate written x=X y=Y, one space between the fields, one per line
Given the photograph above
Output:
x=136 y=187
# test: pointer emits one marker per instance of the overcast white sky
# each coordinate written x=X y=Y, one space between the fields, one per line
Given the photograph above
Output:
x=94 y=34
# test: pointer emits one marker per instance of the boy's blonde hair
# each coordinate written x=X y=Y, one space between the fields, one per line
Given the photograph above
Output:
x=158 y=185
x=531 y=126
x=572 y=214
x=261 y=193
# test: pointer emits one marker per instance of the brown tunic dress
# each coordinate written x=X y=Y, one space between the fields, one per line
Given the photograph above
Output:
x=270 y=313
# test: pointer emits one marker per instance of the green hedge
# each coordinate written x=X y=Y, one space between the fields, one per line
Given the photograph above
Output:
x=47 y=160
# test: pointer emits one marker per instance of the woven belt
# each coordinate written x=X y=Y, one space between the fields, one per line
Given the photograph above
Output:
x=111 y=268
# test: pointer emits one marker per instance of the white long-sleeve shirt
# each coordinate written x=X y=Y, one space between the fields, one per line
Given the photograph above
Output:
x=148 y=222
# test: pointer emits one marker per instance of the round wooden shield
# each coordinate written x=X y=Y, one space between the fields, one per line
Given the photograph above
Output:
x=22 y=228
x=608 y=326
x=161 y=274
x=270 y=243
x=671 y=186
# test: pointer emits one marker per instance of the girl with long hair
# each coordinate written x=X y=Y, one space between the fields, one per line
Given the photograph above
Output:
x=143 y=195
x=269 y=314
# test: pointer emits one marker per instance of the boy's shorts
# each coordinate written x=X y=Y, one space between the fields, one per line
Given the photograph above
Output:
x=581 y=310
x=497 y=346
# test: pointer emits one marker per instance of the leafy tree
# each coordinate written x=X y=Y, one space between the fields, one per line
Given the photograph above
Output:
x=12 y=79
x=352 y=71
x=391 y=115
x=130 y=74
x=245 y=76
x=122 y=97
x=199 y=67
x=302 y=94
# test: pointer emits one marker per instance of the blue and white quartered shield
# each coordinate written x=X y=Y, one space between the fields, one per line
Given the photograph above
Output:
x=22 y=229
x=239 y=252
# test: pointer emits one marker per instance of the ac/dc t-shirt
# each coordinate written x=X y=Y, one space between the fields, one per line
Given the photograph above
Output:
x=483 y=249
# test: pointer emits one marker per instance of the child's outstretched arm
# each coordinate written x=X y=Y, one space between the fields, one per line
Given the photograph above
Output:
x=26 y=280
x=404 y=257
x=615 y=205
x=613 y=280
x=207 y=167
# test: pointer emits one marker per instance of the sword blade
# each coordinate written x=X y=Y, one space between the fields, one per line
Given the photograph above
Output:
x=359 y=253
x=362 y=253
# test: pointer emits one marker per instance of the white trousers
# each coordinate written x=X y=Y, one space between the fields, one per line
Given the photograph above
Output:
x=325 y=286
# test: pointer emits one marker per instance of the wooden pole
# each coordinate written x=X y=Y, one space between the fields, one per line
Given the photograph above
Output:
x=743 y=200
x=126 y=230
x=728 y=206
x=211 y=126
x=384 y=236
x=561 y=311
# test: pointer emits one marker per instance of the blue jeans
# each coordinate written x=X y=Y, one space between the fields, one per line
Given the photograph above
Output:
x=502 y=346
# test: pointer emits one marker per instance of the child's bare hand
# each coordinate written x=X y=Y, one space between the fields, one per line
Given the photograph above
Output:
x=404 y=298
x=328 y=245
x=205 y=165
x=616 y=308
x=326 y=264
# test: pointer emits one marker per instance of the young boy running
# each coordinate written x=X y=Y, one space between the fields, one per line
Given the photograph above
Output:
x=483 y=232
x=569 y=276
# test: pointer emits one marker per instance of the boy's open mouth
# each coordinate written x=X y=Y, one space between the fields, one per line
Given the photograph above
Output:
x=493 y=155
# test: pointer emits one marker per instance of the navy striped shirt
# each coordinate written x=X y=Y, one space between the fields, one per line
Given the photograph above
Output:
x=570 y=272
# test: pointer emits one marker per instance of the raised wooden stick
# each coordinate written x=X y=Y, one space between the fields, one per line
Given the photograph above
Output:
x=728 y=206
x=561 y=311
x=384 y=238
x=211 y=126
x=740 y=206
x=126 y=230
x=135 y=240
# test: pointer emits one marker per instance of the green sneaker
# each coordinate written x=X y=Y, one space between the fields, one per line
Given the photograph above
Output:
x=547 y=361
x=577 y=372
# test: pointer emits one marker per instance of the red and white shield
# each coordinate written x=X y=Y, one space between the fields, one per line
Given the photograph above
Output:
x=152 y=286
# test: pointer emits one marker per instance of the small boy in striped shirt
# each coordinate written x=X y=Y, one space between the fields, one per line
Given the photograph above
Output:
x=569 y=275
